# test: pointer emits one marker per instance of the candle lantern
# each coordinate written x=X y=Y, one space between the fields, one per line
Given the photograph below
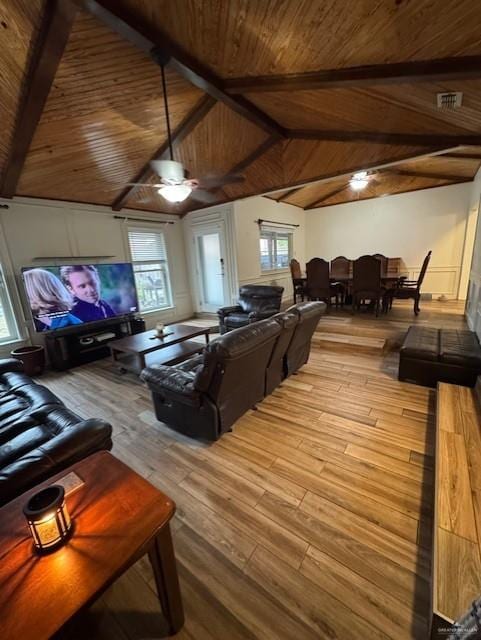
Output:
x=48 y=518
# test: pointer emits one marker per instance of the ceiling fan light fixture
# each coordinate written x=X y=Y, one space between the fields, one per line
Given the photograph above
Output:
x=359 y=181
x=175 y=192
x=168 y=170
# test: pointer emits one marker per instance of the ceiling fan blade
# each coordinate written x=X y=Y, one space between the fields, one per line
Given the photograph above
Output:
x=144 y=184
x=211 y=182
x=203 y=196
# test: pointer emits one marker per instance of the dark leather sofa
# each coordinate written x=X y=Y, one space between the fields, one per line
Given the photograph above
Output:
x=430 y=355
x=39 y=436
x=256 y=302
x=203 y=396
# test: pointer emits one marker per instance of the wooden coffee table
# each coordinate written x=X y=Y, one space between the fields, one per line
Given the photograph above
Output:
x=136 y=352
x=118 y=518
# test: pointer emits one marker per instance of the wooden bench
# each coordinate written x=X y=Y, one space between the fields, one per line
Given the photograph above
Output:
x=457 y=512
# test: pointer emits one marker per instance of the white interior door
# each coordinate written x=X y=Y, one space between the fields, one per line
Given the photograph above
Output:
x=210 y=267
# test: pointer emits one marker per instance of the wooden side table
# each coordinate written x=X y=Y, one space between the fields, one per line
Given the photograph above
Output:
x=119 y=517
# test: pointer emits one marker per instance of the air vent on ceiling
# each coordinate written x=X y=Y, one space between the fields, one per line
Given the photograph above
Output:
x=449 y=100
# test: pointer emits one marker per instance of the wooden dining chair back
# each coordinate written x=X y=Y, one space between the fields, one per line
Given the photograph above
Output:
x=384 y=262
x=411 y=289
x=424 y=268
x=318 y=284
x=298 y=282
x=295 y=267
x=340 y=268
x=366 y=282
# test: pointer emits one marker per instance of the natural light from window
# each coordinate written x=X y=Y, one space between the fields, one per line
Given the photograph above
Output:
x=275 y=249
x=151 y=271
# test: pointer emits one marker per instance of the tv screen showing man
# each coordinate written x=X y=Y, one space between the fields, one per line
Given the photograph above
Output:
x=83 y=282
x=77 y=294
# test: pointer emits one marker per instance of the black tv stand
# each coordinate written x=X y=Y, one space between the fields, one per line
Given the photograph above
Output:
x=72 y=348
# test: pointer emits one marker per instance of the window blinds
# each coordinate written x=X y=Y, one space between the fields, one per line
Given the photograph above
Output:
x=147 y=246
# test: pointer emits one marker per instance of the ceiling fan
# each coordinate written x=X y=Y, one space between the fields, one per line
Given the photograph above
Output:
x=175 y=183
x=359 y=180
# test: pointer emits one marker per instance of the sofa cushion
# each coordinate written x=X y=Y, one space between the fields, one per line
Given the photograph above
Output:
x=421 y=343
x=460 y=347
x=12 y=380
x=33 y=430
x=22 y=401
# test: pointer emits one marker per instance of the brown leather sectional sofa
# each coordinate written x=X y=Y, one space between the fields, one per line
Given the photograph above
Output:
x=39 y=435
x=203 y=396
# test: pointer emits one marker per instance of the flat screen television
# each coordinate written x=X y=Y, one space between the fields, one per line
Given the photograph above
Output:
x=72 y=295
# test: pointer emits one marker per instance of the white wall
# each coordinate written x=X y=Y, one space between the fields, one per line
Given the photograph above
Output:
x=32 y=228
x=405 y=225
x=473 y=307
x=246 y=212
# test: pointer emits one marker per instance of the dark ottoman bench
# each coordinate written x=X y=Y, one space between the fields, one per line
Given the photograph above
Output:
x=429 y=356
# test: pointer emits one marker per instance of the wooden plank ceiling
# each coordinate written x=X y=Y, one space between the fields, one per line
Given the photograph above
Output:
x=284 y=93
x=412 y=175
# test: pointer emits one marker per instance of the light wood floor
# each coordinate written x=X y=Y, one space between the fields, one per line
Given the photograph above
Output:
x=312 y=519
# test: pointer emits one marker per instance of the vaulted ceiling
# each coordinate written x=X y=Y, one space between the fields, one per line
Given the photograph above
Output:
x=294 y=95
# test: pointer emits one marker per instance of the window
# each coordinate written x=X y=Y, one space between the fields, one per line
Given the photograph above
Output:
x=8 y=326
x=276 y=249
x=151 y=270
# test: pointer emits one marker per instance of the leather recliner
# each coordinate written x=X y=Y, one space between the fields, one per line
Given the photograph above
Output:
x=256 y=302
x=309 y=314
x=39 y=436
x=205 y=395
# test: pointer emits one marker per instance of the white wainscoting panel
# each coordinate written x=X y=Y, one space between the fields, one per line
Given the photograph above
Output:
x=441 y=280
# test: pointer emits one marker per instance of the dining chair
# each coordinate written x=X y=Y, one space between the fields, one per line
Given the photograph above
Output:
x=410 y=289
x=366 y=282
x=298 y=282
x=341 y=269
x=318 y=284
x=384 y=263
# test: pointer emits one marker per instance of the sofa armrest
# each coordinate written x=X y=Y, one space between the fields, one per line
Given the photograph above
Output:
x=72 y=444
x=192 y=364
x=10 y=364
x=225 y=311
x=164 y=378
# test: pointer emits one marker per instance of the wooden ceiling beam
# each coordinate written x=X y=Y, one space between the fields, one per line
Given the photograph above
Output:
x=189 y=123
x=331 y=194
x=242 y=165
x=289 y=193
x=410 y=139
x=446 y=69
x=254 y=155
x=463 y=156
x=163 y=50
x=425 y=174
x=54 y=33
